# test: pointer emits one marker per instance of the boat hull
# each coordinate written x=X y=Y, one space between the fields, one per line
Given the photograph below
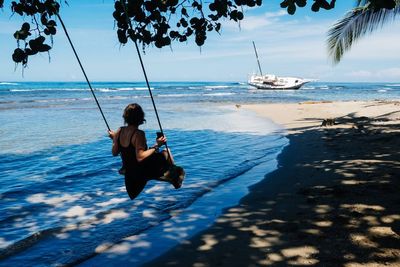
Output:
x=271 y=87
x=272 y=82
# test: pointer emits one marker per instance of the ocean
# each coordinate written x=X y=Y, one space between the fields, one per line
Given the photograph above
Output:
x=62 y=198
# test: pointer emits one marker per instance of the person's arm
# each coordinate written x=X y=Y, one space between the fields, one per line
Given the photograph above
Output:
x=140 y=145
x=115 y=146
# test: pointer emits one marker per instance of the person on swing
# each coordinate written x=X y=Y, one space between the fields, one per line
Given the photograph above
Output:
x=140 y=163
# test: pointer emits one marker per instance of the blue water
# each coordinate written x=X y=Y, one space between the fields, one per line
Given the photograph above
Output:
x=60 y=192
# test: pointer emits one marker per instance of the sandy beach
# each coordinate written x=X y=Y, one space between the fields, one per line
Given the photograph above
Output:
x=333 y=201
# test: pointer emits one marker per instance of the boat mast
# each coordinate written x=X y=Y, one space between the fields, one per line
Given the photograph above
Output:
x=255 y=50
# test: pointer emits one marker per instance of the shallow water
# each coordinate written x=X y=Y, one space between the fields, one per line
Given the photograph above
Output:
x=61 y=196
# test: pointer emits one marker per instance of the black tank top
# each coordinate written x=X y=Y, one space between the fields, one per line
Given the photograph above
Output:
x=128 y=154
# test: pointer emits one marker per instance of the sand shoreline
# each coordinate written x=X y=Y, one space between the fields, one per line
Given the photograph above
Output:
x=333 y=200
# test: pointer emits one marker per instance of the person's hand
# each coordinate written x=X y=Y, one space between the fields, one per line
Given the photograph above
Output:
x=161 y=141
x=111 y=134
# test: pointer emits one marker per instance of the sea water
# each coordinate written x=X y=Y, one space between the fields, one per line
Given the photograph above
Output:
x=61 y=195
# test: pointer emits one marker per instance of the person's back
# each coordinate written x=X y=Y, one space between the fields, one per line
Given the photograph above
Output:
x=126 y=140
x=141 y=164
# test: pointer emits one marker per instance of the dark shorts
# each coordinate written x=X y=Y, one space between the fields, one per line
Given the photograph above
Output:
x=152 y=167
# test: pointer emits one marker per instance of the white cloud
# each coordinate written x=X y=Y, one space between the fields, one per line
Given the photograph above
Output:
x=360 y=74
x=277 y=14
x=251 y=23
x=392 y=72
x=382 y=74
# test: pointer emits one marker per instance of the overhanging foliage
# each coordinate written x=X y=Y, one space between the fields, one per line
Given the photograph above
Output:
x=149 y=22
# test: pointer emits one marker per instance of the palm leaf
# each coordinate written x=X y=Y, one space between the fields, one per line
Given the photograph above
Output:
x=356 y=24
x=364 y=3
x=361 y=2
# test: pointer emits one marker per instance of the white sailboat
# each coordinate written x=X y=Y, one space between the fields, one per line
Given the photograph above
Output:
x=273 y=82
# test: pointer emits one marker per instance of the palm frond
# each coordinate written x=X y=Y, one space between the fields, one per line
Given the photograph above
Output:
x=361 y=2
x=356 y=24
x=364 y=3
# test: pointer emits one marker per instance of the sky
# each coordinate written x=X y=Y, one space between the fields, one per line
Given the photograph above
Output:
x=287 y=46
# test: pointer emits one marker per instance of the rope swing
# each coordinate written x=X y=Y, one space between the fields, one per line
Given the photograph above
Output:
x=146 y=79
x=143 y=69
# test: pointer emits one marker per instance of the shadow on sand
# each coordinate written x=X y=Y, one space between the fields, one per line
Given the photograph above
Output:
x=333 y=201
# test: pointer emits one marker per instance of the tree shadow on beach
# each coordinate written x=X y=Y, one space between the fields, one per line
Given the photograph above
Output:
x=333 y=201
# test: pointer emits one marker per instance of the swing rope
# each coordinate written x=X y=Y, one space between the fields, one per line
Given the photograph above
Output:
x=151 y=96
x=145 y=77
x=83 y=70
x=143 y=69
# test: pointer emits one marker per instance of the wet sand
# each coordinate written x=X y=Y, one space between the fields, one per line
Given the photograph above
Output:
x=333 y=201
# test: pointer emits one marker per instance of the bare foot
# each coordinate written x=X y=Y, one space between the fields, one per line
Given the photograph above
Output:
x=175 y=175
x=179 y=177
